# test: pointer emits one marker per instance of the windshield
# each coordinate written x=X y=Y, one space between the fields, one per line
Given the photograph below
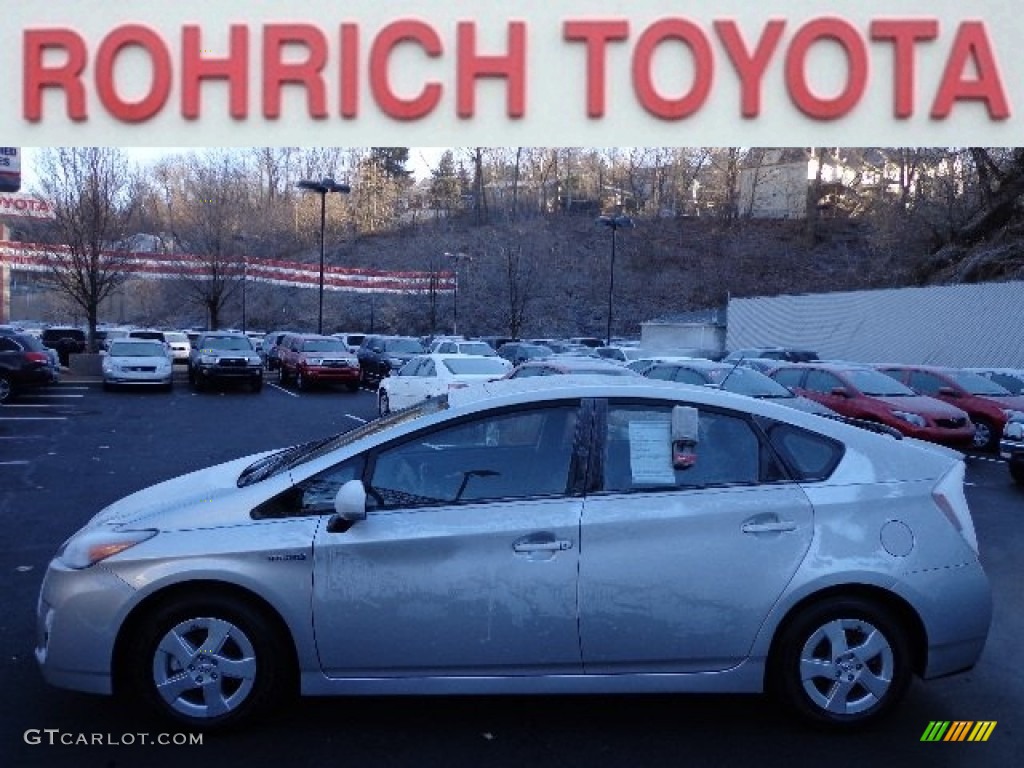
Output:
x=123 y=349
x=403 y=345
x=978 y=385
x=175 y=336
x=747 y=381
x=477 y=348
x=233 y=343
x=876 y=384
x=288 y=458
x=324 y=345
x=474 y=365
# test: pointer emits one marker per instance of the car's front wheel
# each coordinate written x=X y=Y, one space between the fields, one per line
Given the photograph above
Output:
x=986 y=436
x=841 y=662
x=1017 y=472
x=6 y=389
x=207 y=662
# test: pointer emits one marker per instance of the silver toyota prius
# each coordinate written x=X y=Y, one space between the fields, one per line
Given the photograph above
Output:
x=554 y=535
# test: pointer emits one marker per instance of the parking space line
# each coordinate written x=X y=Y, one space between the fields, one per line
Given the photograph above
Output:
x=279 y=388
x=13 y=463
x=33 y=418
x=356 y=418
x=35 y=396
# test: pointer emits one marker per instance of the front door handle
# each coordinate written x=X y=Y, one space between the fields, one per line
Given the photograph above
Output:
x=526 y=546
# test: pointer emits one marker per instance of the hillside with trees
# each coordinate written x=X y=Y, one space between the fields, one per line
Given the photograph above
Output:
x=520 y=226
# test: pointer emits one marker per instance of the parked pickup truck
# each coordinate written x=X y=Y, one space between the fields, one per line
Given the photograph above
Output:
x=1011 y=448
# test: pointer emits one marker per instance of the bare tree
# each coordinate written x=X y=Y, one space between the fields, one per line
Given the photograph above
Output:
x=207 y=204
x=92 y=191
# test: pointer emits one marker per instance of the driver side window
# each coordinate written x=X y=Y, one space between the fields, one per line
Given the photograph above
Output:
x=515 y=454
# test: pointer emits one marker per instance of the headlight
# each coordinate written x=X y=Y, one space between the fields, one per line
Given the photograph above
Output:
x=315 y=361
x=89 y=547
x=1014 y=415
x=208 y=359
x=254 y=360
x=109 y=367
x=911 y=418
x=1014 y=430
x=395 y=362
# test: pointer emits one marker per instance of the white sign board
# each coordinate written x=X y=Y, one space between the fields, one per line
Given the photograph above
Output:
x=10 y=169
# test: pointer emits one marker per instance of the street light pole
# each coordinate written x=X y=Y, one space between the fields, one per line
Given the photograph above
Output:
x=455 y=293
x=613 y=223
x=322 y=188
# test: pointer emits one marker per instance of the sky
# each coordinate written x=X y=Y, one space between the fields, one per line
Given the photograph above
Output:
x=421 y=160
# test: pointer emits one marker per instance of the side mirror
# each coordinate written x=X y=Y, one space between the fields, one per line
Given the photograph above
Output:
x=948 y=392
x=349 y=506
x=840 y=392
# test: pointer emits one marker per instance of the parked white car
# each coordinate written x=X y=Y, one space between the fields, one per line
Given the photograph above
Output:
x=434 y=374
x=137 y=361
x=559 y=534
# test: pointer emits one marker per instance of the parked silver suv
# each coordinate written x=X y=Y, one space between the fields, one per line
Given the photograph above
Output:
x=225 y=356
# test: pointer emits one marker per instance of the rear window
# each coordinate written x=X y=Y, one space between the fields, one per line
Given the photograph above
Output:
x=474 y=365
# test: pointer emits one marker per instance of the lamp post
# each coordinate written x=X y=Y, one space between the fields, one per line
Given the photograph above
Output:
x=613 y=223
x=455 y=293
x=322 y=187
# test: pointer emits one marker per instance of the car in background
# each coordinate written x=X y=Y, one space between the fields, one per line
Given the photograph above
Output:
x=1011 y=448
x=988 y=404
x=105 y=335
x=563 y=365
x=269 y=349
x=379 y=356
x=1011 y=379
x=131 y=361
x=24 y=364
x=434 y=374
x=586 y=341
x=568 y=535
x=732 y=378
x=861 y=392
x=620 y=354
x=352 y=340
x=462 y=347
x=309 y=360
x=177 y=342
x=785 y=354
x=221 y=357
x=517 y=352
x=67 y=340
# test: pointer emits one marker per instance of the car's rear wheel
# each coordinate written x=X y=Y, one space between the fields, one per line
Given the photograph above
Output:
x=6 y=388
x=841 y=662
x=208 y=662
x=383 y=403
x=986 y=436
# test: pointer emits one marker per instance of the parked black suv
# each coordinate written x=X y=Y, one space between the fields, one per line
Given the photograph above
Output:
x=66 y=340
x=380 y=355
x=225 y=356
x=24 y=363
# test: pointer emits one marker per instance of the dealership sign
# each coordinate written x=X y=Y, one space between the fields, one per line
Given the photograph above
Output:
x=482 y=72
x=10 y=169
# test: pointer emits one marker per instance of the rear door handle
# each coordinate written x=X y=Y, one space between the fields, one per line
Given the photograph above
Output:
x=777 y=526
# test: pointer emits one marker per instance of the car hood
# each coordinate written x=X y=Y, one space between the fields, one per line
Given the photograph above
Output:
x=922 y=404
x=188 y=500
x=151 y=360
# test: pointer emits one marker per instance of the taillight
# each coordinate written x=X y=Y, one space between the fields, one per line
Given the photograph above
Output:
x=37 y=357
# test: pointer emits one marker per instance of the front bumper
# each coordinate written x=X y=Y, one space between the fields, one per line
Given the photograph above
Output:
x=225 y=372
x=77 y=617
x=343 y=374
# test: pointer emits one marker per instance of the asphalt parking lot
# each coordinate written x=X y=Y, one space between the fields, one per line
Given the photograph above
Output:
x=67 y=451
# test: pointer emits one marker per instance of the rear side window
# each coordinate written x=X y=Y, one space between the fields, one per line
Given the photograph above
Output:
x=808 y=456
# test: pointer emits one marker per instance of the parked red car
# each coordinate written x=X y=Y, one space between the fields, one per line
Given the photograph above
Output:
x=988 y=404
x=862 y=392
x=309 y=359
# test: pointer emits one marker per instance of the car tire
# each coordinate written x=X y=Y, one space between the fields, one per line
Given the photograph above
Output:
x=256 y=386
x=842 y=662
x=986 y=436
x=352 y=386
x=301 y=382
x=383 y=403
x=1017 y=472
x=6 y=389
x=282 y=376
x=169 y=668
